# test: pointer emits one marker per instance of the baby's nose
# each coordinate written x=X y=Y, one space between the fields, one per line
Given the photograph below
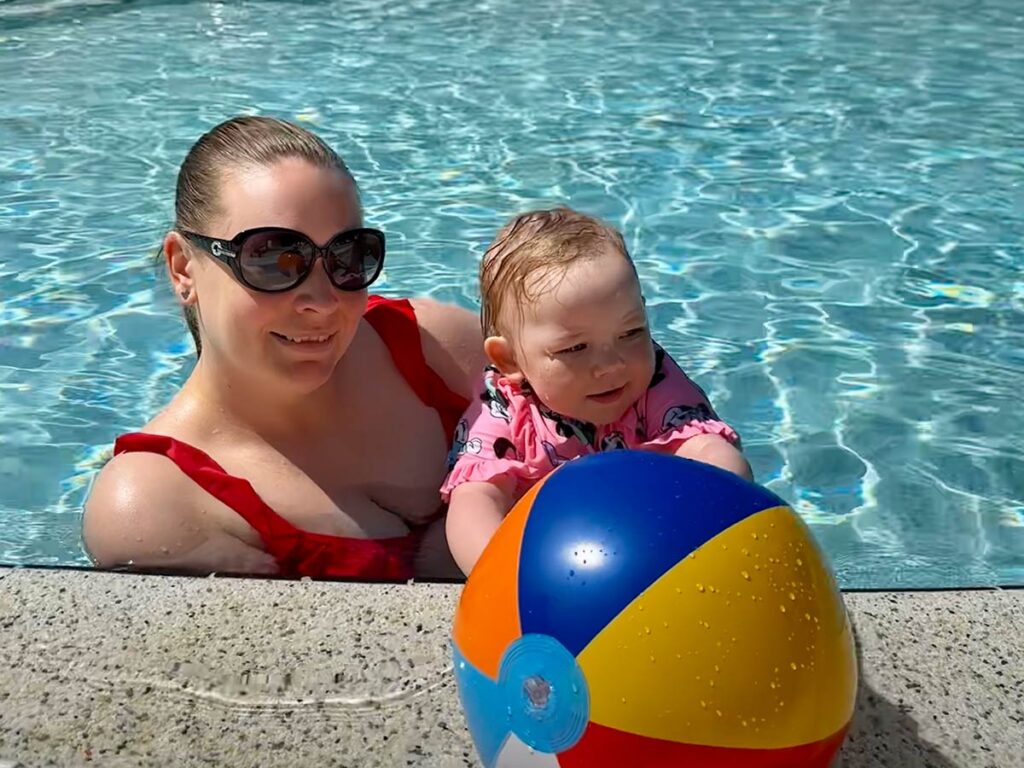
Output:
x=608 y=361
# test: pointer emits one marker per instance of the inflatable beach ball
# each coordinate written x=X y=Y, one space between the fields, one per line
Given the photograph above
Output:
x=644 y=610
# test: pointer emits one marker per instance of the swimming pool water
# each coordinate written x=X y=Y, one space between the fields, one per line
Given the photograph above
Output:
x=824 y=199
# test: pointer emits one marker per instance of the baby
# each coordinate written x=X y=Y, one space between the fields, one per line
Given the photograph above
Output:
x=573 y=371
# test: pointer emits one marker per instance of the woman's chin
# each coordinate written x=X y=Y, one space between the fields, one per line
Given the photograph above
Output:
x=304 y=373
x=309 y=375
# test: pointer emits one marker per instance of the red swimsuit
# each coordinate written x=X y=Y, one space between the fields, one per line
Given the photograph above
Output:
x=303 y=553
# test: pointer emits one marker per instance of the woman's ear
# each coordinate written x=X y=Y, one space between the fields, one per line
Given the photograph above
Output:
x=180 y=268
x=503 y=357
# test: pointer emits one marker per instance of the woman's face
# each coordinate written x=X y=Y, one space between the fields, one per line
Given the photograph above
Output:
x=293 y=339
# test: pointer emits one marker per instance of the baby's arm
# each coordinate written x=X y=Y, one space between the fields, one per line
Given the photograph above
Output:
x=681 y=420
x=474 y=514
x=487 y=473
x=716 y=450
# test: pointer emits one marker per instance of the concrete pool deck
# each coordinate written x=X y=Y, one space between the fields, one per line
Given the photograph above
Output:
x=105 y=669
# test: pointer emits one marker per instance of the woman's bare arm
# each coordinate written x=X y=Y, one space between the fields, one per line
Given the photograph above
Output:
x=144 y=513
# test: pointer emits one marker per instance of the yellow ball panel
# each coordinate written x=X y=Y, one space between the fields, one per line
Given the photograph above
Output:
x=745 y=643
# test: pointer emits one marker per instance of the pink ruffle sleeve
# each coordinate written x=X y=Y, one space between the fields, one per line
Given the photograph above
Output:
x=490 y=442
x=676 y=410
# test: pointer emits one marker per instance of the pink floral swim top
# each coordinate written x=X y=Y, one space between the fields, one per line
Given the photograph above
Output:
x=509 y=438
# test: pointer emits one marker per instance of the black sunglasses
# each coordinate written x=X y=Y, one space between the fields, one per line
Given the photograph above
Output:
x=274 y=259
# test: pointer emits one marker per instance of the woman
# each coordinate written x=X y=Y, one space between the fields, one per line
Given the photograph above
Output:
x=311 y=437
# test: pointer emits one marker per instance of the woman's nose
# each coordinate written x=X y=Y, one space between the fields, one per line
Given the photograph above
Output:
x=317 y=293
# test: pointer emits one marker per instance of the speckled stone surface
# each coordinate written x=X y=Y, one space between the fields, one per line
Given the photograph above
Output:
x=104 y=669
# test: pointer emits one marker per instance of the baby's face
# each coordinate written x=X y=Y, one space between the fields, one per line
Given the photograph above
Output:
x=583 y=343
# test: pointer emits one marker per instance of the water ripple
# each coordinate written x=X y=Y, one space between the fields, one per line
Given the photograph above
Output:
x=823 y=200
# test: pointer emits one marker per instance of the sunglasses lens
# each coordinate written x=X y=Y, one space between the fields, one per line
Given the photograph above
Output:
x=275 y=260
x=356 y=260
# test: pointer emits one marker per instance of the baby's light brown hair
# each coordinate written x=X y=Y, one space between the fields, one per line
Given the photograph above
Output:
x=548 y=240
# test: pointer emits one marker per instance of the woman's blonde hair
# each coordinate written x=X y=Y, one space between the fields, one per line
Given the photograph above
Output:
x=535 y=245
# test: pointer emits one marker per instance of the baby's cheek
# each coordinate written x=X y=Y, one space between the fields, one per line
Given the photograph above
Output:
x=642 y=363
x=648 y=369
x=560 y=380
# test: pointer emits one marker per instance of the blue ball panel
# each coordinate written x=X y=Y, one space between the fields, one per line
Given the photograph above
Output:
x=483 y=702
x=605 y=527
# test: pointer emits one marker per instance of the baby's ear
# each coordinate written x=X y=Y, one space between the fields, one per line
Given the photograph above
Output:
x=502 y=356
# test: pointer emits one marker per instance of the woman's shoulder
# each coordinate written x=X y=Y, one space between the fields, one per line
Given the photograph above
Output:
x=452 y=343
x=142 y=488
x=136 y=474
x=137 y=498
x=144 y=510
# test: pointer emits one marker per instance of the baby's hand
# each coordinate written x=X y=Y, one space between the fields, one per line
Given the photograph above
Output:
x=716 y=450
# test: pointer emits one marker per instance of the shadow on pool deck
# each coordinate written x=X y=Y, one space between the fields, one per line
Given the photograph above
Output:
x=884 y=733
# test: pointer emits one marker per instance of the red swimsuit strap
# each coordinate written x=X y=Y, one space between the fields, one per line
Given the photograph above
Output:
x=235 y=492
x=298 y=552
x=394 y=320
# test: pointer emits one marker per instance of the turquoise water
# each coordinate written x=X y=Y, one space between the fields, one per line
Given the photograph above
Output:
x=825 y=201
